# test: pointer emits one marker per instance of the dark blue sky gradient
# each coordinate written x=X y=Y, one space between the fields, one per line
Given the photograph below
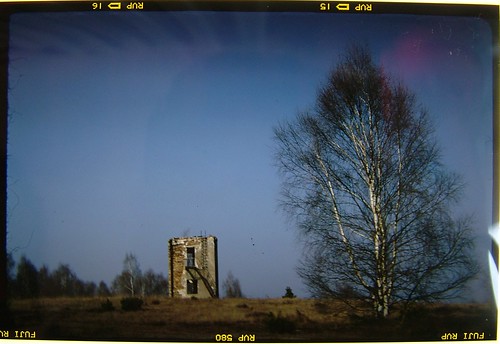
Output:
x=127 y=129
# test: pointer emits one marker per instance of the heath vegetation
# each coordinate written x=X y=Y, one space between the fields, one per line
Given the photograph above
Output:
x=283 y=319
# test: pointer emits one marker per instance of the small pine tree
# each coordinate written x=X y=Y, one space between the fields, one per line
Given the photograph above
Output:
x=289 y=293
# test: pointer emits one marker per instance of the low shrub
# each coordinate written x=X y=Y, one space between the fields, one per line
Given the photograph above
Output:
x=322 y=308
x=107 y=306
x=279 y=324
x=131 y=303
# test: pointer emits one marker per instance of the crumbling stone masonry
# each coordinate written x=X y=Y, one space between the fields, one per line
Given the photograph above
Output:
x=193 y=269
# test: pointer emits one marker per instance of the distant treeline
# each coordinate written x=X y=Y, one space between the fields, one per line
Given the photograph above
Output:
x=26 y=281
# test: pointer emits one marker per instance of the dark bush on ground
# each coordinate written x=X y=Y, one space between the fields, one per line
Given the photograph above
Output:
x=107 y=306
x=131 y=303
x=279 y=324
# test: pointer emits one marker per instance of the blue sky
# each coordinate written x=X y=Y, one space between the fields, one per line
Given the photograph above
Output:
x=127 y=129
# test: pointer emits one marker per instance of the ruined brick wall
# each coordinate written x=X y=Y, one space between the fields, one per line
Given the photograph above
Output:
x=193 y=269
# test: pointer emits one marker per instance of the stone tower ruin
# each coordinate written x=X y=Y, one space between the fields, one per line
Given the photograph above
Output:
x=193 y=270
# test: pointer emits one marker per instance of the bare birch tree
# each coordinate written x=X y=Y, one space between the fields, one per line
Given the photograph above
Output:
x=363 y=179
x=130 y=280
x=232 y=286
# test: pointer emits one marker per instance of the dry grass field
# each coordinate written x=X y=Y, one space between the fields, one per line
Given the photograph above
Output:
x=270 y=320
